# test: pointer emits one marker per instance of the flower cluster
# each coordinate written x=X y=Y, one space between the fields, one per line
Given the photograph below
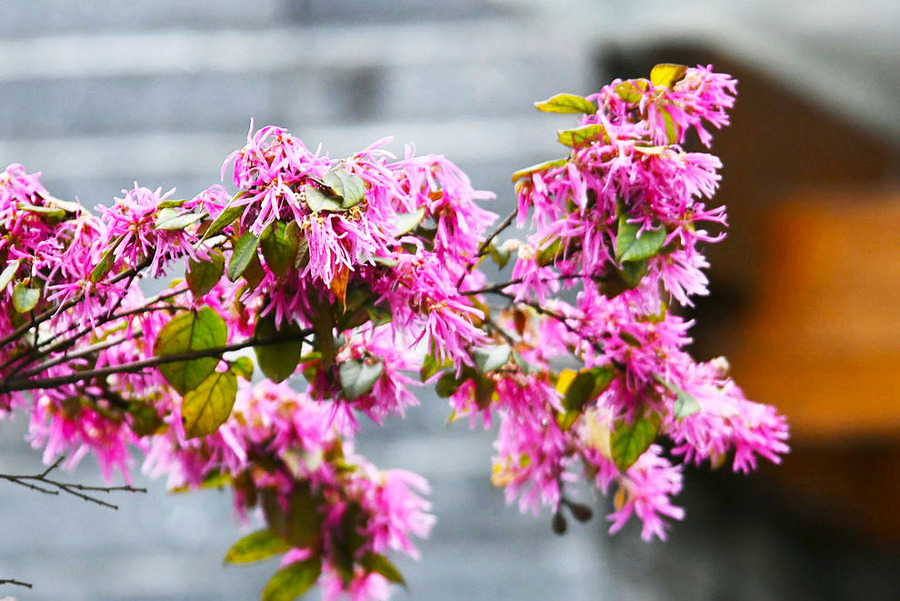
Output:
x=358 y=275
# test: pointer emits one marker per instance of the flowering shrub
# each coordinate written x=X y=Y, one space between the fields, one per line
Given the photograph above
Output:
x=361 y=276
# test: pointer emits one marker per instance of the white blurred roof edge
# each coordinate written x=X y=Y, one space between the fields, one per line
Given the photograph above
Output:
x=841 y=55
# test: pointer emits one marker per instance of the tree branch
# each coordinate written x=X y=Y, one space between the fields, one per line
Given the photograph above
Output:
x=14 y=384
x=15 y=582
x=48 y=486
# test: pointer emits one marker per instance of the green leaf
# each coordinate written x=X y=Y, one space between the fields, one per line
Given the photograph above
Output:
x=567 y=103
x=317 y=200
x=25 y=298
x=632 y=90
x=225 y=218
x=581 y=135
x=293 y=581
x=359 y=377
x=632 y=272
x=256 y=546
x=52 y=213
x=499 y=254
x=527 y=171
x=586 y=385
x=349 y=187
x=189 y=332
x=431 y=366
x=9 y=273
x=407 y=222
x=685 y=403
x=202 y=276
x=206 y=407
x=171 y=219
x=633 y=247
x=278 y=361
x=379 y=564
x=169 y=204
x=301 y=524
x=214 y=479
x=105 y=264
x=667 y=74
x=491 y=358
x=242 y=254
x=279 y=243
x=447 y=384
x=629 y=441
x=243 y=367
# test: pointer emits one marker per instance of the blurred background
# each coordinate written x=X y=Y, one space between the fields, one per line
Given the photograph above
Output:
x=98 y=94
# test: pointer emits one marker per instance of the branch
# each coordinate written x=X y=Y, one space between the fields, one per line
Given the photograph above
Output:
x=15 y=582
x=507 y=221
x=136 y=366
x=43 y=484
x=36 y=321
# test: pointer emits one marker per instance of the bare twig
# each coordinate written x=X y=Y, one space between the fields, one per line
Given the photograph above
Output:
x=507 y=221
x=44 y=484
x=15 y=582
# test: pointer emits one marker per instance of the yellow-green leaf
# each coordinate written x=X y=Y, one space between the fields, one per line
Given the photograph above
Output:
x=528 y=171
x=243 y=367
x=293 y=581
x=256 y=546
x=206 y=407
x=632 y=90
x=9 y=273
x=349 y=187
x=25 y=298
x=188 y=332
x=567 y=103
x=667 y=74
x=581 y=135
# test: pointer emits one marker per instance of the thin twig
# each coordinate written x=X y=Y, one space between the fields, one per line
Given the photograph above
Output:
x=48 y=486
x=15 y=582
x=507 y=221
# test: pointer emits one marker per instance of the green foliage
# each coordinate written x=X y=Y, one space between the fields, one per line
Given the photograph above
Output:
x=25 y=298
x=580 y=136
x=225 y=218
x=206 y=407
x=280 y=243
x=242 y=255
x=7 y=275
x=528 y=171
x=358 y=376
x=567 y=103
x=685 y=403
x=628 y=442
x=256 y=546
x=407 y=222
x=293 y=581
x=350 y=188
x=171 y=219
x=379 y=564
x=630 y=246
x=202 y=276
x=278 y=361
x=491 y=358
x=194 y=331
x=667 y=74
